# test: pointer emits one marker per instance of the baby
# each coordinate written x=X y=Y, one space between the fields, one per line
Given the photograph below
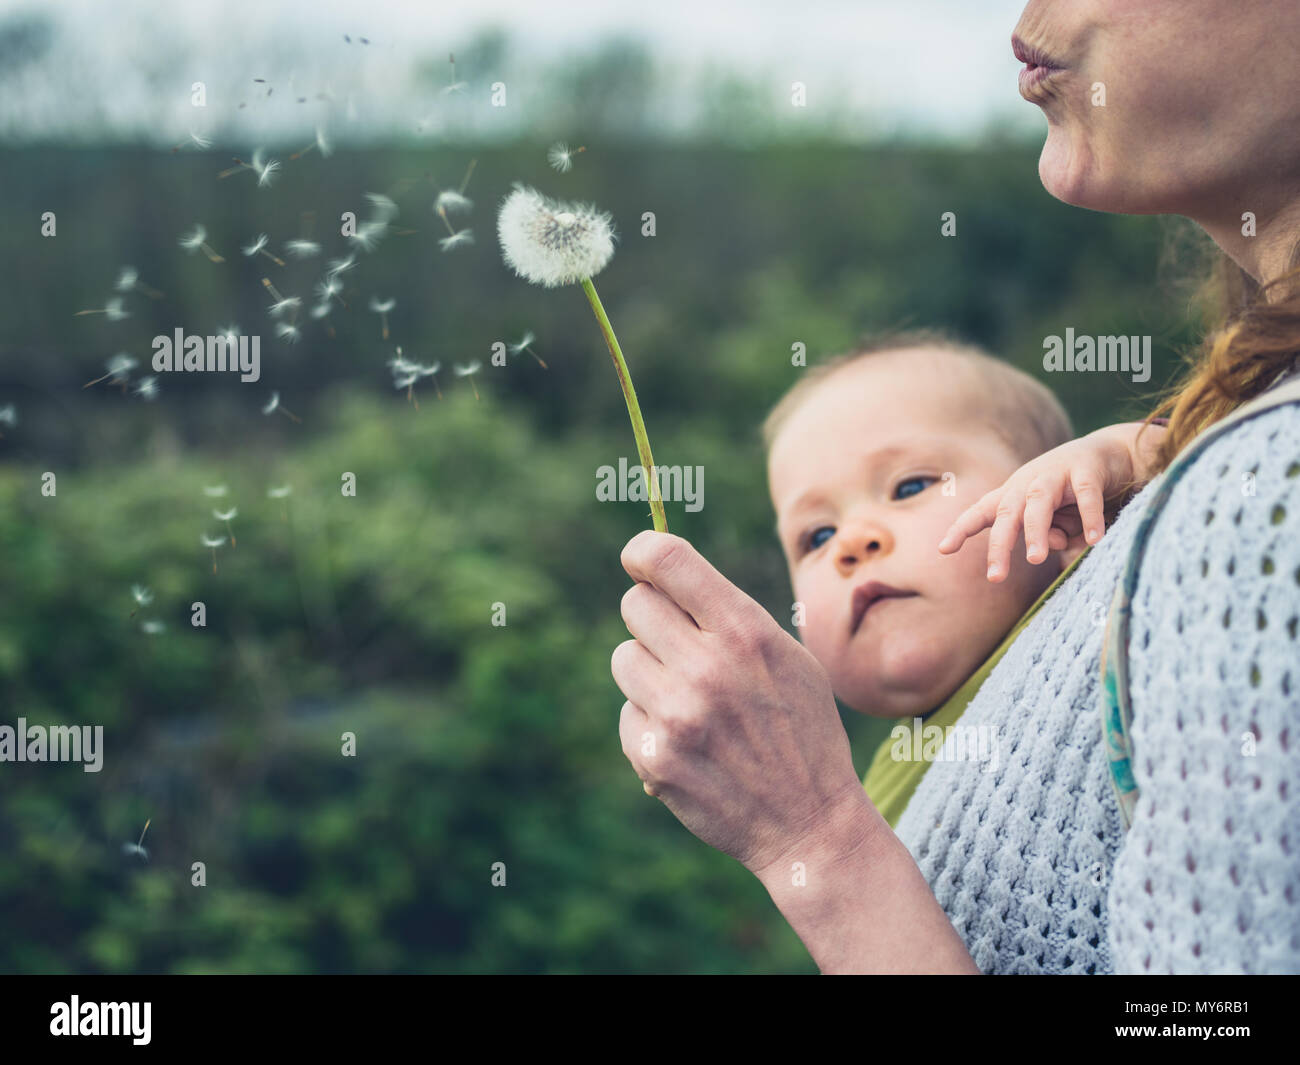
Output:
x=872 y=459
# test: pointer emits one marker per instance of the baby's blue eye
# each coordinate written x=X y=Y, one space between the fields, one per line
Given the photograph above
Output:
x=813 y=542
x=900 y=494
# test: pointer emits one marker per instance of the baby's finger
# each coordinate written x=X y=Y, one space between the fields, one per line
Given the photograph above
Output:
x=970 y=521
x=1005 y=533
x=1091 y=503
x=1040 y=504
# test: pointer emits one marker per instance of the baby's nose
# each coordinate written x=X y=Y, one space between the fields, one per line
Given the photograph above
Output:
x=864 y=542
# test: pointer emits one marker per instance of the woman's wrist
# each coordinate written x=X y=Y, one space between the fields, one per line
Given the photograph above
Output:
x=855 y=897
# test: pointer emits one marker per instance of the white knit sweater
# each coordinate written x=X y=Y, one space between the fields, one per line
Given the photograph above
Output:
x=1030 y=860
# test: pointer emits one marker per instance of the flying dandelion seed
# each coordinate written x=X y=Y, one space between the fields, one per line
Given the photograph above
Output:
x=560 y=157
x=381 y=308
x=114 y=310
x=213 y=542
x=320 y=144
x=227 y=516
x=301 y=249
x=119 y=368
x=195 y=139
x=526 y=345
x=147 y=389
x=138 y=847
x=329 y=288
x=454 y=85
x=215 y=491
x=281 y=492
x=450 y=200
x=142 y=597
x=456 y=240
x=128 y=280
x=271 y=407
x=338 y=266
x=230 y=333
x=550 y=243
x=384 y=207
x=469 y=371
x=152 y=627
x=8 y=416
x=258 y=247
x=288 y=332
x=368 y=234
x=320 y=310
x=195 y=241
x=263 y=169
x=281 y=306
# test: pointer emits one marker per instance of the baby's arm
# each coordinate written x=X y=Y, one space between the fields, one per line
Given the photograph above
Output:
x=1061 y=497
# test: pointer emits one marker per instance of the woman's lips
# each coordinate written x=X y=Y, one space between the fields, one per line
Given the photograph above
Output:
x=1039 y=66
x=1032 y=76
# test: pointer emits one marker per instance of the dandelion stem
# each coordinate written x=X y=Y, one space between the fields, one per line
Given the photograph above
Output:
x=633 y=408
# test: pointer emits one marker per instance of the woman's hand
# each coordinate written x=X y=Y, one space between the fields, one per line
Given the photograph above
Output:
x=729 y=720
x=1062 y=496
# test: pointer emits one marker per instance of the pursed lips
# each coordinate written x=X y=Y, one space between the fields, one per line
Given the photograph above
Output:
x=868 y=595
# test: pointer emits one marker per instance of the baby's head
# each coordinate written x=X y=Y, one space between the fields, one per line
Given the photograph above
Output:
x=881 y=449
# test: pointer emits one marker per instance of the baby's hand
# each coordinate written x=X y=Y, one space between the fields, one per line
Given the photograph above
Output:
x=1061 y=495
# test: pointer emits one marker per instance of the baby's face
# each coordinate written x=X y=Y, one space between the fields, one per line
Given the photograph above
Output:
x=858 y=476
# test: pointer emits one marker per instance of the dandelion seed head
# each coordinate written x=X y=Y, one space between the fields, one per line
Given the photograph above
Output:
x=141 y=594
x=199 y=140
x=551 y=243
x=215 y=491
x=289 y=303
x=289 y=333
x=9 y=415
x=320 y=310
x=212 y=541
x=272 y=403
x=115 y=311
x=450 y=200
x=464 y=236
x=147 y=388
x=405 y=380
x=465 y=371
x=225 y=515
x=322 y=143
x=230 y=333
x=430 y=370
x=152 y=627
x=279 y=491
x=382 y=306
x=302 y=249
x=256 y=246
x=126 y=279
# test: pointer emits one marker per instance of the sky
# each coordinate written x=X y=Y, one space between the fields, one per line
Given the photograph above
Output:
x=122 y=70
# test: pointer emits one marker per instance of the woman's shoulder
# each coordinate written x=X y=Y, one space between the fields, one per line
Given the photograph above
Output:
x=1214 y=659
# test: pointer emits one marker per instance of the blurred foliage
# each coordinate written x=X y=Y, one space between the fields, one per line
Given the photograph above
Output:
x=475 y=743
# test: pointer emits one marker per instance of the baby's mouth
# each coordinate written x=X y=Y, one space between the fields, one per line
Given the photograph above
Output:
x=868 y=595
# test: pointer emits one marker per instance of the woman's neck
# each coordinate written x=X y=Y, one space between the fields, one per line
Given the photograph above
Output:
x=1265 y=246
